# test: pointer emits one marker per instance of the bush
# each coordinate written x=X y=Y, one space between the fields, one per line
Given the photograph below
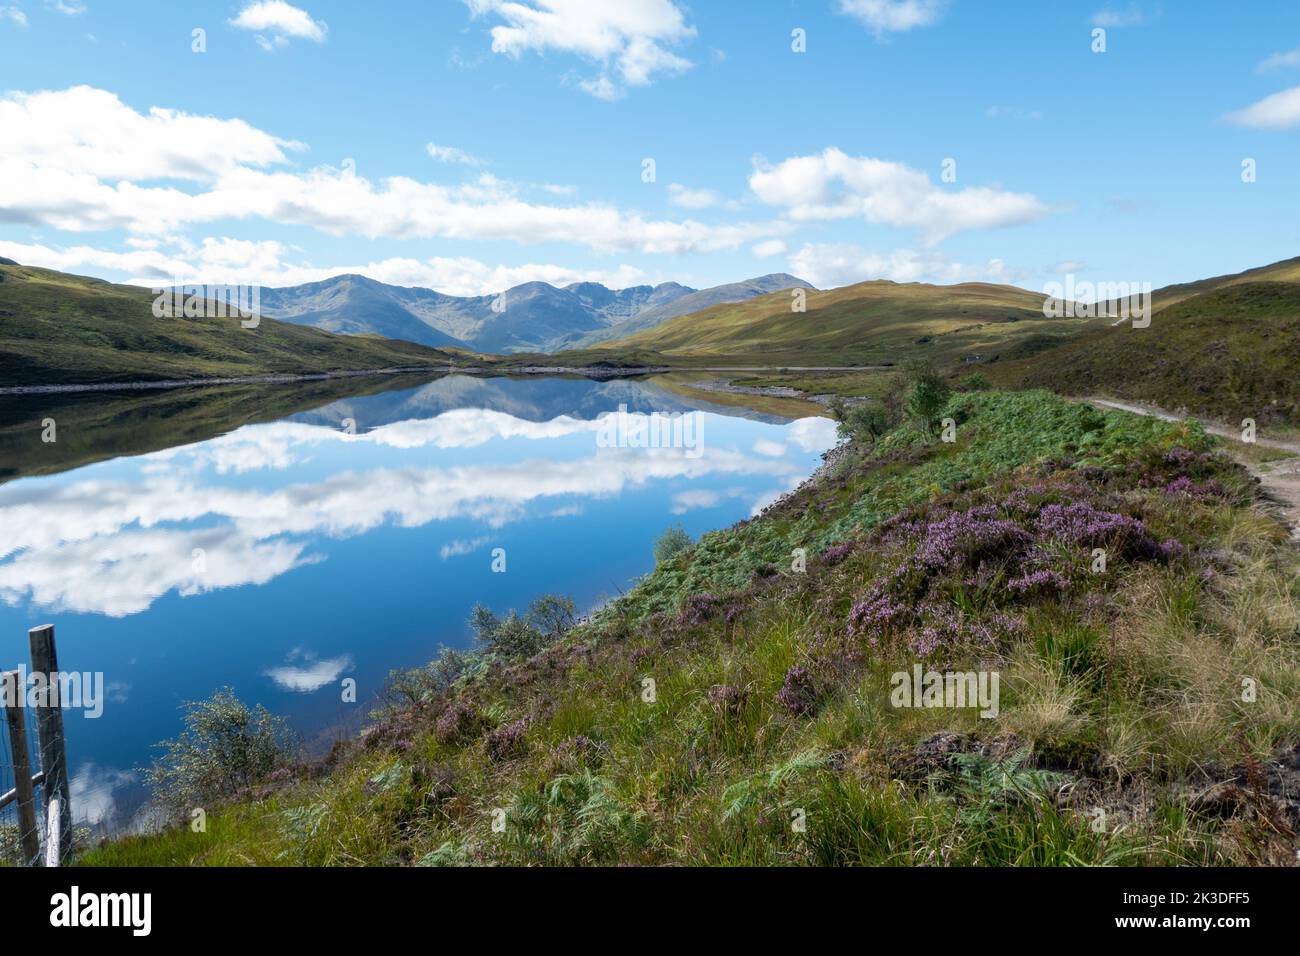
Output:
x=862 y=423
x=226 y=748
x=671 y=543
x=927 y=394
x=548 y=619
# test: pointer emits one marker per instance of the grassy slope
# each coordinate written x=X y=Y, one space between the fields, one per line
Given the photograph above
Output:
x=61 y=329
x=1287 y=270
x=869 y=323
x=1227 y=354
x=1121 y=693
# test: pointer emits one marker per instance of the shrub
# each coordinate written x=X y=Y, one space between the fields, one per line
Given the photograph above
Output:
x=226 y=748
x=671 y=543
x=548 y=619
x=862 y=423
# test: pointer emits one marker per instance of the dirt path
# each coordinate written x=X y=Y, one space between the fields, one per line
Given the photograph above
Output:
x=1280 y=479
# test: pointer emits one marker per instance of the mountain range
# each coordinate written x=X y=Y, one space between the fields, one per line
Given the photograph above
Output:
x=533 y=317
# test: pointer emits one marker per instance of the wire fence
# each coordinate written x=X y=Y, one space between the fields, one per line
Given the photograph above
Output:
x=18 y=837
x=35 y=809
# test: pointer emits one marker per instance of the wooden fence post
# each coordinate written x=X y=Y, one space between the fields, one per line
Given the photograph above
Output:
x=49 y=732
x=14 y=694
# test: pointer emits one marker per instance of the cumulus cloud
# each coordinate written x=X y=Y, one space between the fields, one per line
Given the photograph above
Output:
x=80 y=160
x=893 y=16
x=630 y=39
x=688 y=198
x=834 y=185
x=304 y=674
x=13 y=15
x=276 y=22
x=1278 y=111
x=218 y=260
x=694 y=499
x=829 y=265
x=115 y=547
x=772 y=247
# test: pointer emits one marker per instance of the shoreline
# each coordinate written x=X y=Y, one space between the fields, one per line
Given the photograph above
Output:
x=598 y=372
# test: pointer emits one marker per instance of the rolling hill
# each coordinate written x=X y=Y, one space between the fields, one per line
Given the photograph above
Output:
x=58 y=329
x=533 y=317
x=1228 y=353
x=877 y=322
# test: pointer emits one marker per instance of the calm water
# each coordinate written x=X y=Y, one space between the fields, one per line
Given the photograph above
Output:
x=282 y=558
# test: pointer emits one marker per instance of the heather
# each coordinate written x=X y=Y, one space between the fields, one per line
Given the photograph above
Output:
x=1119 y=574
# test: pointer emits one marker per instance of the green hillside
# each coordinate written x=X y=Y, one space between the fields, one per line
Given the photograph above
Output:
x=869 y=323
x=58 y=329
x=1226 y=354
x=1288 y=270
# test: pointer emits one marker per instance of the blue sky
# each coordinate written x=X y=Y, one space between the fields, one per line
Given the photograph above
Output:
x=467 y=145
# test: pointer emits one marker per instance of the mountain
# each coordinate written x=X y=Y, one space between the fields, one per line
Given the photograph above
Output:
x=869 y=323
x=58 y=329
x=694 y=301
x=533 y=317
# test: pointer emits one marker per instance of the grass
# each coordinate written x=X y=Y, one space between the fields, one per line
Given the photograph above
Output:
x=866 y=324
x=732 y=710
x=1227 y=354
x=58 y=329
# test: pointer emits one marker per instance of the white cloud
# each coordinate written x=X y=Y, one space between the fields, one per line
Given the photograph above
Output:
x=114 y=548
x=1279 y=111
x=14 y=15
x=1280 y=60
x=311 y=675
x=282 y=21
x=459 y=548
x=1132 y=16
x=831 y=265
x=893 y=16
x=80 y=160
x=81 y=135
x=834 y=185
x=772 y=247
x=69 y=8
x=630 y=39
x=451 y=154
x=696 y=498
x=769 y=448
x=91 y=790
x=245 y=262
x=687 y=198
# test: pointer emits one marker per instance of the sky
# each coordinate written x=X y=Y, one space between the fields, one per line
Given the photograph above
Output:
x=471 y=145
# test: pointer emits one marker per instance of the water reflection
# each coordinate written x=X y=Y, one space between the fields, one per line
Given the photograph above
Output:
x=287 y=557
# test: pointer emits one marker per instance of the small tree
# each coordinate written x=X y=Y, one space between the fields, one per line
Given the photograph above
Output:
x=862 y=423
x=671 y=543
x=927 y=394
x=553 y=615
x=225 y=748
